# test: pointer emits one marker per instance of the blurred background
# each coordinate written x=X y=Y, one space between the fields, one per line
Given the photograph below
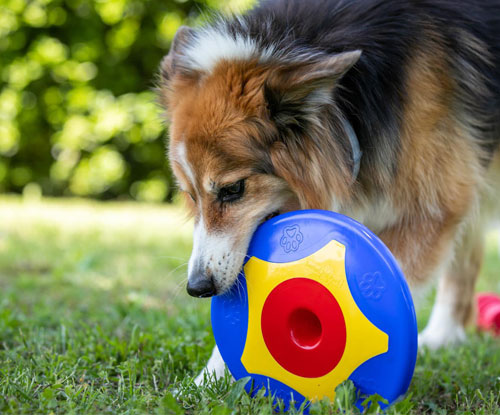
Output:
x=78 y=115
x=94 y=317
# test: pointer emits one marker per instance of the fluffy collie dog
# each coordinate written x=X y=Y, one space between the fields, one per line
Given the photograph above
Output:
x=386 y=111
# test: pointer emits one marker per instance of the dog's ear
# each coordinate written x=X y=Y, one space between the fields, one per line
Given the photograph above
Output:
x=320 y=178
x=172 y=61
x=174 y=64
x=296 y=90
x=308 y=153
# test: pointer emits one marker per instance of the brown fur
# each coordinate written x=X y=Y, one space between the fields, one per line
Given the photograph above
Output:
x=433 y=189
x=437 y=188
x=436 y=183
x=212 y=124
x=224 y=120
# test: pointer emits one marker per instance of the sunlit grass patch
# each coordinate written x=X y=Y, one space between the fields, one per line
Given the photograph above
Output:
x=94 y=318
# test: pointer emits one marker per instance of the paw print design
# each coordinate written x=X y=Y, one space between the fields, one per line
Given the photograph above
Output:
x=291 y=238
x=372 y=285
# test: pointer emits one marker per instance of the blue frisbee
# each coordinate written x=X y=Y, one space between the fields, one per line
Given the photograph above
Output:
x=320 y=300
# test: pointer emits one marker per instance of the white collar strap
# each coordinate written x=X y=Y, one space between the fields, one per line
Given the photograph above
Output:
x=356 y=151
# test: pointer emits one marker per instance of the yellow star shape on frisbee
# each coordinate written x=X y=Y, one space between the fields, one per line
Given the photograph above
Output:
x=326 y=266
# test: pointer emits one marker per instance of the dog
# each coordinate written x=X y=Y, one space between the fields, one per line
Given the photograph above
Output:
x=387 y=111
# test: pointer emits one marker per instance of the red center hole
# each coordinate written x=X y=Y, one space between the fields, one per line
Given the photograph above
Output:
x=305 y=328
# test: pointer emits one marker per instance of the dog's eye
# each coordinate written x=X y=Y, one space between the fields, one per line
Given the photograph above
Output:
x=188 y=193
x=232 y=192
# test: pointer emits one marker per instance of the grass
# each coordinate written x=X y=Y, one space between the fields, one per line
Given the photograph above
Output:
x=94 y=319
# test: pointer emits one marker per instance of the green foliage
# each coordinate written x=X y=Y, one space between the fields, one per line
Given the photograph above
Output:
x=77 y=107
x=98 y=322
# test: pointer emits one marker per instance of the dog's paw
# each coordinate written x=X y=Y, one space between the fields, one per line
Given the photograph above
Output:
x=202 y=378
x=434 y=339
x=214 y=369
x=206 y=378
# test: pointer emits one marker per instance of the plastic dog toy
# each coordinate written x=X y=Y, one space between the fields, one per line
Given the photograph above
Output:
x=320 y=300
x=488 y=315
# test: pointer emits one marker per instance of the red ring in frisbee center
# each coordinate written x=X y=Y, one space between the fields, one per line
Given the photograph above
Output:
x=303 y=327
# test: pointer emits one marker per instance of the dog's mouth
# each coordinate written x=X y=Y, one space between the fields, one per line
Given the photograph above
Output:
x=225 y=289
x=271 y=215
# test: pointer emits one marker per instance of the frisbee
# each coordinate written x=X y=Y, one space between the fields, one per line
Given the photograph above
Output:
x=320 y=299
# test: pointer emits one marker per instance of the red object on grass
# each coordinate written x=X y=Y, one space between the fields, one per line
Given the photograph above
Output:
x=488 y=315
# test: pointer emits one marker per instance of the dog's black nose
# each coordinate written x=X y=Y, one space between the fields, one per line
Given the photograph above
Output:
x=200 y=286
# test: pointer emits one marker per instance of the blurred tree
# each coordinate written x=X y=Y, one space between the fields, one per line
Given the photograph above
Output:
x=77 y=108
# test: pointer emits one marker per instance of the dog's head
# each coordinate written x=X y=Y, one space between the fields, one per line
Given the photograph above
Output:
x=251 y=136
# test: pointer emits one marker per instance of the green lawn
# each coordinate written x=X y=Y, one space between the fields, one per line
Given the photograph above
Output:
x=94 y=318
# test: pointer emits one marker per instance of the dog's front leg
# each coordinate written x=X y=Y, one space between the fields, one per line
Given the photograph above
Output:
x=454 y=306
x=425 y=249
x=214 y=369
